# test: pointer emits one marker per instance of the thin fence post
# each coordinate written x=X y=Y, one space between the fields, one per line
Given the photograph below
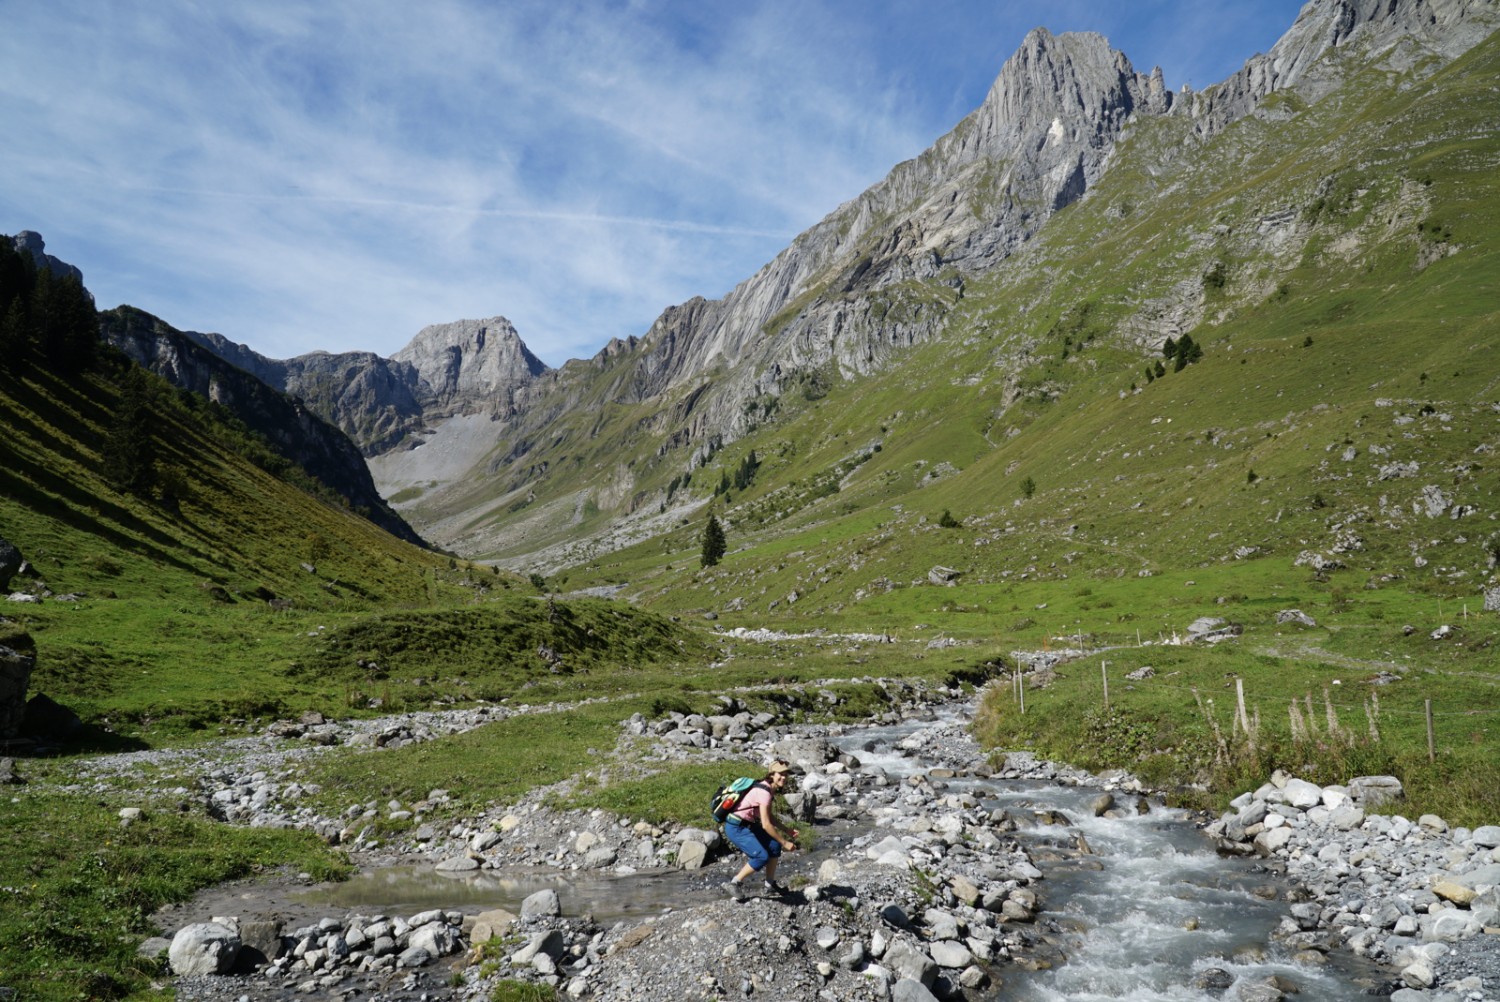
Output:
x=1239 y=692
x=1104 y=673
x=1021 y=687
x=1431 y=749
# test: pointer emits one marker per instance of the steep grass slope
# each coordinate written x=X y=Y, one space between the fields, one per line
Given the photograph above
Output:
x=1340 y=278
x=170 y=600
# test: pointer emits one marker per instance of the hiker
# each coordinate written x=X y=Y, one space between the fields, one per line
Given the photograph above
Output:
x=757 y=833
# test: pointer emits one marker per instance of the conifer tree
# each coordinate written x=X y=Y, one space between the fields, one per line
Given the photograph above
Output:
x=128 y=459
x=713 y=543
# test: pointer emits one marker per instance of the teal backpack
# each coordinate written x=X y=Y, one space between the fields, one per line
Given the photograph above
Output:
x=728 y=798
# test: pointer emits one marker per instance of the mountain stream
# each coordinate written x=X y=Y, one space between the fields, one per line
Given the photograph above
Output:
x=1149 y=912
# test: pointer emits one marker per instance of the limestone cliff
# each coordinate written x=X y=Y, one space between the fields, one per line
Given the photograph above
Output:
x=292 y=428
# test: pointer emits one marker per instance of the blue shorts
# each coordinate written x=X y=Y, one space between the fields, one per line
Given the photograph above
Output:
x=753 y=841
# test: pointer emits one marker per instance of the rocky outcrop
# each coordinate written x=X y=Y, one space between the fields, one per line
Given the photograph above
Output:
x=463 y=367
x=884 y=271
x=472 y=365
x=10 y=562
x=30 y=242
x=1386 y=30
x=290 y=426
x=17 y=661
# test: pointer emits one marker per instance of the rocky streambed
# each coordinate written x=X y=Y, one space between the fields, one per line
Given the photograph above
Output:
x=934 y=876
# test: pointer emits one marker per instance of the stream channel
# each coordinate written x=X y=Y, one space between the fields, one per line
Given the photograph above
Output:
x=1141 y=918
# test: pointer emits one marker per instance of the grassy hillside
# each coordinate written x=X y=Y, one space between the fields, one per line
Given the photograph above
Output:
x=1332 y=448
x=221 y=560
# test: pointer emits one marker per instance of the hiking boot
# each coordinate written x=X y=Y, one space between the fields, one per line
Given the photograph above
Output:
x=735 y=890
x=772 y=887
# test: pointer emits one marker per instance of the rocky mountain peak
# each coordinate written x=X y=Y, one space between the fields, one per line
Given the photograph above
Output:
x=1072 y=85
x=1395 y=31
x=31 y=242
x=479 y=361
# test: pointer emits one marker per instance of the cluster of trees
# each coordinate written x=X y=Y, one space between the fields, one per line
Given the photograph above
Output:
x=1179 y=354
x=744 y=475
x=43 y=317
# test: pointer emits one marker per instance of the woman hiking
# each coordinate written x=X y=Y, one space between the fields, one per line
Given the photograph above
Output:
x=757 y=833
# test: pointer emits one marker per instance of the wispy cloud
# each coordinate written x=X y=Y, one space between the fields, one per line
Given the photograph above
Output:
x=339 y=175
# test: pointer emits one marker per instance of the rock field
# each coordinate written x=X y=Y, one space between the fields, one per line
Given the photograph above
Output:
x=918 y=892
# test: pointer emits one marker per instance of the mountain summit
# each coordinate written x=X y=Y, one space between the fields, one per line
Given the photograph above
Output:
x=489 y=452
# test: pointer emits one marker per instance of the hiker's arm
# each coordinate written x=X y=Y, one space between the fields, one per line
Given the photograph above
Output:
x=769 y=823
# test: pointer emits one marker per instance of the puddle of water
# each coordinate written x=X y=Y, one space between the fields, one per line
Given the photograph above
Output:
x=606 y=895
x=403 y=890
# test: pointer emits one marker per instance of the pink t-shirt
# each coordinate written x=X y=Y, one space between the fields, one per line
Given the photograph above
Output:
x=749 y=809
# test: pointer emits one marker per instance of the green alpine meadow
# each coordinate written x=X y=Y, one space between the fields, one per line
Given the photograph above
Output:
x=1197 y=478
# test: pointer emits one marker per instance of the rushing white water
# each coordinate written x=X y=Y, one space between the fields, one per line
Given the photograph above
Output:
x=1148 y=911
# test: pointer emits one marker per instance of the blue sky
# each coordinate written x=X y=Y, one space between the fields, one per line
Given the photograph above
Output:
x=337 y=175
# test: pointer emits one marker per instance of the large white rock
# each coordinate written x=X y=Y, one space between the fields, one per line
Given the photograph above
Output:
x=1487 y=836
x=437 y=938
x=1301 y=794
x=947 y=953
x=1449 y=926
x=907 y=990
x=1271 y=840
x=542 y=904
x=692 y=855
x=907 y=960
x=203 y=948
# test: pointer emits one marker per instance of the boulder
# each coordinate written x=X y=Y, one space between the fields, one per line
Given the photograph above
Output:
x=1295 y=616
x=948 y=953
x=260 y=942
x=601 y=857
x=203 y=948
x=11 y=562
x=806 y=754
x=944 y=576
x=907 y=990
x=1373 y=791
x=1449 y=926
x=1346 y=818
x=437 y=938
x=692 y=855
x=1455 y=892
x=907 y=960
x=1267 y=842
x=490 y=924
x=542 y=904
x=17 y=661
x=1301 y=794
x=964 y=890
x=549 y=944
